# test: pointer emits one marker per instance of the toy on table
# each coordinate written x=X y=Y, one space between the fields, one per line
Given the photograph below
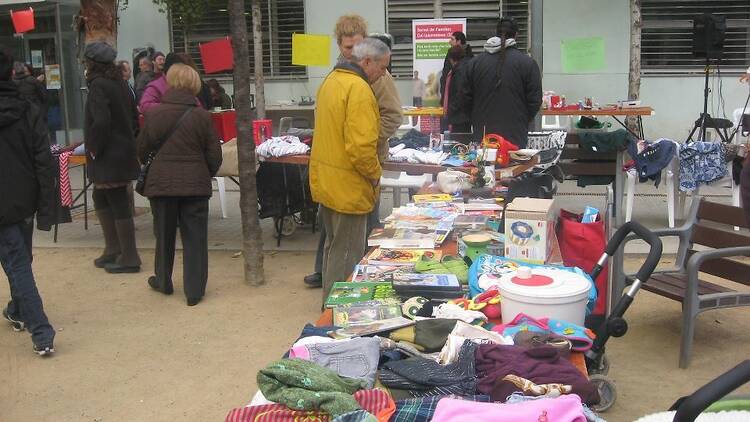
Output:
x=503 y=147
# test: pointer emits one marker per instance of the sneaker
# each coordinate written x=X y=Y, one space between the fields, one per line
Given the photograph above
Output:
x=314 y=280
x=44 y=350
x=17 y=324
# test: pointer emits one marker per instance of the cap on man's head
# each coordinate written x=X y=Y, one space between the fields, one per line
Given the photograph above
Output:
x=507 y=26
x=100 y=52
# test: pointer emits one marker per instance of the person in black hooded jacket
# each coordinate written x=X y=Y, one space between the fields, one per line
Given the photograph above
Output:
x=457 y=39
x=502 y=88
x=27 y=188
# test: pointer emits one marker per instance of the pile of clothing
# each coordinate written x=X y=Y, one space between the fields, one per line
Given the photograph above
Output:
x=279 y=146
x=437 y=369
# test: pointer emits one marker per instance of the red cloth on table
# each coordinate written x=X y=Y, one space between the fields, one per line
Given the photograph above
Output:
x=376 y=401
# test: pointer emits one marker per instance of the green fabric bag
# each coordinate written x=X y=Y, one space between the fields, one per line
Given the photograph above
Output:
x=304 y=385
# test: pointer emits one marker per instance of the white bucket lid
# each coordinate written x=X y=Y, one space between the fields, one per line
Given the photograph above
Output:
x=544 y=282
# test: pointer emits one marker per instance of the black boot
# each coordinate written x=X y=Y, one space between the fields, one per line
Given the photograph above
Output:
x=111 y=243
x=128 y=261
x=167 y=289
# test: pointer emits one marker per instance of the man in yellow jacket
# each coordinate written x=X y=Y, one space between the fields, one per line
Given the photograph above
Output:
x=349 y=31
x=344 y=167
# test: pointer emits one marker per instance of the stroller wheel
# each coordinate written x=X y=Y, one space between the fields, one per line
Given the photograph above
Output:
x=289 y=226
x=607 y=392
x=603 y=368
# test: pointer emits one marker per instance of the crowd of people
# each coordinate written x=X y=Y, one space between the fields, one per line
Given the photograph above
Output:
x=176 y=132
x=358 y=109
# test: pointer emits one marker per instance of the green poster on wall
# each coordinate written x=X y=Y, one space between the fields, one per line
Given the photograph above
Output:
x=581 y=55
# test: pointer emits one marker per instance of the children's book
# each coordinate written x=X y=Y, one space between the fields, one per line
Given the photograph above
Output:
x=378 y=273
x=402 y=238
x=346 y=292
x=399 y=256
x=366 y=312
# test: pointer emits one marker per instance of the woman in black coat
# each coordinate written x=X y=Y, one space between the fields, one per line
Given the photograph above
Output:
x=457 y=39
x=109 y=125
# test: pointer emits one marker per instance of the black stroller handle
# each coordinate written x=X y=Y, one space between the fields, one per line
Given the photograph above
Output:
x=654 y=253
x=688 y=408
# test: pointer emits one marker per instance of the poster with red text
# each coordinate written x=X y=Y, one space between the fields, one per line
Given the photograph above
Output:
x=430 y=38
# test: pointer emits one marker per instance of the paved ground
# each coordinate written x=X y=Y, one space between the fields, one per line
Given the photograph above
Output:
x=128 y=353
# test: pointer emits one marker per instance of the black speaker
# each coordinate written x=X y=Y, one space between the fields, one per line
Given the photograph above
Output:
x=708 y=36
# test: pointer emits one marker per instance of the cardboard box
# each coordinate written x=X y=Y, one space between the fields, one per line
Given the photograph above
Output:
x=529 y=229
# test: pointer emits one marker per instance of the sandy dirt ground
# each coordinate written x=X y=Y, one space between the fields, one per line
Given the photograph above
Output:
x=126 y=353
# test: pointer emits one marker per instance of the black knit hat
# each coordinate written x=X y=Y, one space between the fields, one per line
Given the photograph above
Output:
x=100 y=52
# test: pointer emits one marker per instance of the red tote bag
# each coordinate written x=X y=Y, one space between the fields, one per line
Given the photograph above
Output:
x=581 y=245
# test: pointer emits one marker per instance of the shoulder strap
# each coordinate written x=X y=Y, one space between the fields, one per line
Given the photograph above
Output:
x=169 y=134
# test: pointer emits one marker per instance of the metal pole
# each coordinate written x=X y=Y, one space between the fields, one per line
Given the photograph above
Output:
x=536 y=42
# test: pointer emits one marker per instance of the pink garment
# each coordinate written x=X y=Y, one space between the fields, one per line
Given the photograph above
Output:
x=566 y=408
x=299 y=352
x=152 y=94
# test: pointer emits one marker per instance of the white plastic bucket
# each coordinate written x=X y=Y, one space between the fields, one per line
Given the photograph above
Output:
x=556 y=294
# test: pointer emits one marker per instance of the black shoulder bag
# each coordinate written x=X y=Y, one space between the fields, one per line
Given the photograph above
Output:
x=140 y=183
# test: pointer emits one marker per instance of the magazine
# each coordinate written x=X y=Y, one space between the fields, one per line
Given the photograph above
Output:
x=366 y=312
x=402 y=238
x=424 y=282
x=378 y=273
x=399 y=256
x=347 y=292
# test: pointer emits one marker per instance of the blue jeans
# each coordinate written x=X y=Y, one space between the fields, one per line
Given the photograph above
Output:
x=25 y=303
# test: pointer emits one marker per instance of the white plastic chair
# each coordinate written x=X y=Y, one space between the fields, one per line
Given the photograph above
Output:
x=398 y=181
x=409 y=123
x=558 y=123
x=221 y=187
x=669 y=173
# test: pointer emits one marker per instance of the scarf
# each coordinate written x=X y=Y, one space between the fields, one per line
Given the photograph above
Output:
x=493 y=45
x=352 y=67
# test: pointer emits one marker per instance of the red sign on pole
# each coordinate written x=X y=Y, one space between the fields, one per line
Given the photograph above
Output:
x=217 y=55
x=23 y=20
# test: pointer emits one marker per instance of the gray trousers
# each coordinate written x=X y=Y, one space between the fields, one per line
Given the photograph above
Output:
x=346 y=235
x=373 y=221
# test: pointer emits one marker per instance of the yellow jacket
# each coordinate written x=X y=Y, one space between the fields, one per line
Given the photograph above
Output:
x=344 y=160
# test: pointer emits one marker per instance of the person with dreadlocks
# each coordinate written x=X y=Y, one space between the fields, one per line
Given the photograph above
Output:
x=502 y=87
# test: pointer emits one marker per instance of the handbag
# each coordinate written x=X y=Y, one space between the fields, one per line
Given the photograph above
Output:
x=140 y=183
x=581 y=245
x=452 y=181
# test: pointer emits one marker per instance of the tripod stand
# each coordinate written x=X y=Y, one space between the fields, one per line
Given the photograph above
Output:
x=705 y=121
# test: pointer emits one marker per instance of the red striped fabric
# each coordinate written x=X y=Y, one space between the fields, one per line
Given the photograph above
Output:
x=66 y=195
x=376 y=402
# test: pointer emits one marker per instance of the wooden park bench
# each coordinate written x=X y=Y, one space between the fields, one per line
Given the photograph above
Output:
x=707 y=240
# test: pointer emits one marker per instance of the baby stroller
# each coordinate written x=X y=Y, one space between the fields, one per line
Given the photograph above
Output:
x=707 y=398
x=615 y=325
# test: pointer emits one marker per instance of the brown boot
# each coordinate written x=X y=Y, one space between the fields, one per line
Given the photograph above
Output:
x=128 y=261
x=111 y=243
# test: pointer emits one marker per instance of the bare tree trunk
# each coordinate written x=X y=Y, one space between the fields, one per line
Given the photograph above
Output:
x=97 y=20
x=260 y=96
x=634 y=75
x=437 y=9
x=252 y=245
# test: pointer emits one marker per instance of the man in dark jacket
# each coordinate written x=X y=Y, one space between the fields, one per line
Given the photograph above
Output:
x=30 y=88
x=28 y=182
x=502 y=87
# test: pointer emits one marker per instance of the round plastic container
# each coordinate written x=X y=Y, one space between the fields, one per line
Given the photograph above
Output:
x=544 y=293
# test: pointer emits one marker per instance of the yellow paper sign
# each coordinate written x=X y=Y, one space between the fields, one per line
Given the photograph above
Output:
x=311 y=50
